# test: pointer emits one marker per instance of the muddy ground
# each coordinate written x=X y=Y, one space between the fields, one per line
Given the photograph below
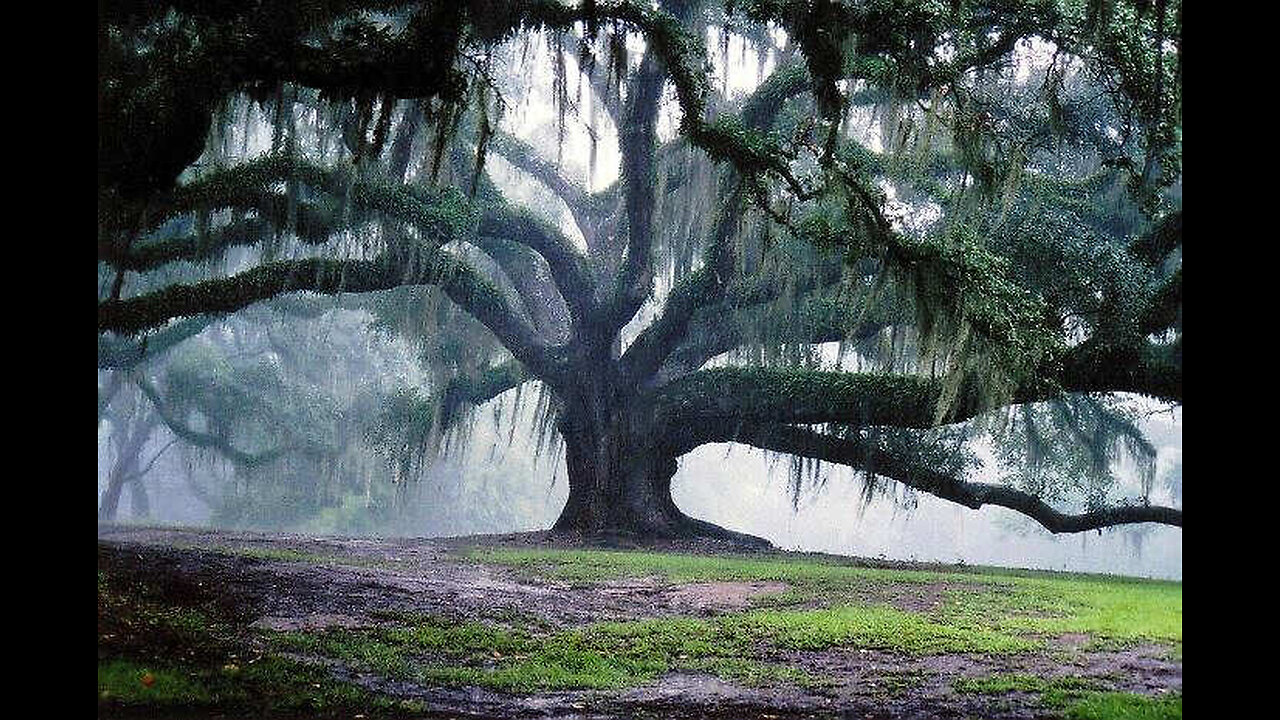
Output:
x=265 y=582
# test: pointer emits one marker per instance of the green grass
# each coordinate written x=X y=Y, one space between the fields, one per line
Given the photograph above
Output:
x=870 y=626
x=1078 y=698
x=123 y=680
x=1124 y=706
x=270 y=685
x=599 y=656
x=587 y=567
x=1119 y=610
x=291 y=555
x=620 y=654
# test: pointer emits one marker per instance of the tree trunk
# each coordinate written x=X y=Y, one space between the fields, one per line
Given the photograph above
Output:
x=130 y=438
x=620 y=484
x=110 y=501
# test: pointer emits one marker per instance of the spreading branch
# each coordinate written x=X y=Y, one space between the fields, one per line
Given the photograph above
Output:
x=479 y=388
x=462 y=283
x=861 y=453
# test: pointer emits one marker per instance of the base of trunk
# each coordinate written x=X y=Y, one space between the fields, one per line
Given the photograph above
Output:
x=656 y=529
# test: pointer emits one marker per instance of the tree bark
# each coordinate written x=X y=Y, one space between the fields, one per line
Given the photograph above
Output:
x=620 y=480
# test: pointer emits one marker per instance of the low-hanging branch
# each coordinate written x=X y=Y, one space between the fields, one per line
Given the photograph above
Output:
x=1141 y=367
x=463 y=284
x=767 y=395
x=860 y=453
x=312 y=226
x=479 y=388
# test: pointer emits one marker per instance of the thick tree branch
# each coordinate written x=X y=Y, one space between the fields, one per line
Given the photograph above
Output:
x=527 y=272
x=637 y=140
x=479 y=388
x=313 y=226
x=1164 y=308
x=868 y=455
x=466 y=287
x=706 y=285
x=1143 y=367
x=569 y=267
x=764 y=395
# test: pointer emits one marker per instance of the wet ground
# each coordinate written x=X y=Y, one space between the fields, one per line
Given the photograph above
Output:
x=280 y=582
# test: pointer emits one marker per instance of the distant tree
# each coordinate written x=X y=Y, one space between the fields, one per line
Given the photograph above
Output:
x=1007 y=232
x=275 y=429
x=131 y=425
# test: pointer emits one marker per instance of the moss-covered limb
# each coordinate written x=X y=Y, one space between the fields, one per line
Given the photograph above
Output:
x=442 y=216
x=763 y=105
x=813 y=320
x=1142 y=367
x=463 y=284
x=123 y=353
x=899 y=463
x=704 y=287
x=313 y=227
x=569 y=268
x=1164 y=308
x=211 y=441
x=763 y=395
x=223 y=295
x=480 y=388
x=752 y=152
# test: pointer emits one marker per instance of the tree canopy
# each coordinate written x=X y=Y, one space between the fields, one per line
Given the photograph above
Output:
x=921 y=222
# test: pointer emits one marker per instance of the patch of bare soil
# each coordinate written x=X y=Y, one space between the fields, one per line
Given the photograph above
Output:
x=292 y=582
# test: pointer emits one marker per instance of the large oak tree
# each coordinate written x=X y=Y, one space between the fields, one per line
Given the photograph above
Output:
x=983 y=199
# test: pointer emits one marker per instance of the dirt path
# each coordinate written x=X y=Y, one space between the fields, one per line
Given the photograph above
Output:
x=291 y=583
